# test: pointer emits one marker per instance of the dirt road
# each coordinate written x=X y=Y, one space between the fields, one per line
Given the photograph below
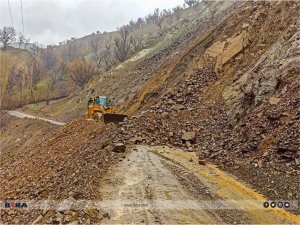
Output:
x=24 y=115
x=162 y=185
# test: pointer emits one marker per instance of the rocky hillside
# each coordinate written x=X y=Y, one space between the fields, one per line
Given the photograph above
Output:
x=233 y=98
x=225 y=86
x=220 y=86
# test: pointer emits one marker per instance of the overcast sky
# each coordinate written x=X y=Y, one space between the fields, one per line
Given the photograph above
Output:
x=52 y=21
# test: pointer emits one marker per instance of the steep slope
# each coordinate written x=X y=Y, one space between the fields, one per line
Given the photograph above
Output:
x=225 y=87
x=234 y=98
x=149 y=68
x=25 y=79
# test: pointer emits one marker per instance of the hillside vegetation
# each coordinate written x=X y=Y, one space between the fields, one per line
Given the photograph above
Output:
x=39 y=73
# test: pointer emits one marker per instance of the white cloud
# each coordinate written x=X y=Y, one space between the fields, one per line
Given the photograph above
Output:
x=51 y=21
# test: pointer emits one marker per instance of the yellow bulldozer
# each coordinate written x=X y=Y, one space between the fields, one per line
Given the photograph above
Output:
x=98 y=109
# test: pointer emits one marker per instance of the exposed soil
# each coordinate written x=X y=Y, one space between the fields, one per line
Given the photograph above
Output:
x=235 y=105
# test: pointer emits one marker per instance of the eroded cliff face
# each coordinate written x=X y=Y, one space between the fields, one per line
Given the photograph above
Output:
x=269 y=80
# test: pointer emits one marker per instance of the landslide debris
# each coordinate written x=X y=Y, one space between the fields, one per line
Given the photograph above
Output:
x=240 y=100
x=18 y=134
x=231 y=94
x=67 y=165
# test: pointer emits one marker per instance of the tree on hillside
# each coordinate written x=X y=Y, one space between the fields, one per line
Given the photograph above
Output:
x=37 y=70
x=7 y=36
x=48 y=57
x=158 y=18
x=122 y=44
x=71 y=50
x=81 y=72
x=35 y=48
x=107 y=55
x=21 y=39
x=5 y=70
x=26 y=42
x=95 y=46
x=190 y=2
x=140 y=22
x=177 y=12
x=136 y=42
x=149 y=18
x=168 y=14
x=55 y=76
x=21 y=77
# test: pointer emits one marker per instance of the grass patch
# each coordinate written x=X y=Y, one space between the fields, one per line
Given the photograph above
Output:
x=42 y=85
x=36 y=107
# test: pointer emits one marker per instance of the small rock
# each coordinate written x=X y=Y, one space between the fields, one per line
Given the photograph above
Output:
x=73 y=223
x=106 y=215
x=274 y=100
x=245 y=25
x=189 y=136
x=178 y=107
x=202 y=162
x=38 y=219
x=119 y=148
x=261 y=163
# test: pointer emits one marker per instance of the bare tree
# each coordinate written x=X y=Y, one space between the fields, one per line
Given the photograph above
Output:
x=5 y=70
x=168 y=14
x=37 y=70
x=177 y=12
x=95 y=46
x=81 y=72
x=122 y=44
x=35 y=48
x=140 y=22
x=158 y=18
x=7 y=36
x=48 y=57
x=71 y=50
x=57 y=75
x=26 y=42
x=136 y=42
x=190 y=2
x=21 y=39
x=149 y=18
x=107 y=55
x=13 y=80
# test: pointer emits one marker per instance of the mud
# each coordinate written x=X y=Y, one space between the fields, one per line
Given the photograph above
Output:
x=150 y=186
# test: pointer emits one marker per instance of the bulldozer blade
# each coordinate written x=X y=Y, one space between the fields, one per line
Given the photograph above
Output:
x=113 y=118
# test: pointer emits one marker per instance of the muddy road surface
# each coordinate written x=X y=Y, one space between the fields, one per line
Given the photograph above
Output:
x=158 y=185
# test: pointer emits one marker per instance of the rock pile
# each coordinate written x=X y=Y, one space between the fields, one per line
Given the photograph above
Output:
x=251 y=123
x=69 y=165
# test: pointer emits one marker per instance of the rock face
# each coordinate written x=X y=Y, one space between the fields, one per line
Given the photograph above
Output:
x=263 y=80
x=228 y=49
x=234 y=45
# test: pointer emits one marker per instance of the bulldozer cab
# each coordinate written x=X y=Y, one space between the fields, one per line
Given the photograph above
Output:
x=101 y=101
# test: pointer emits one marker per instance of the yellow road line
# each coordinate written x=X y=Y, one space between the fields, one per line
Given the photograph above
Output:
x=227 y=187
